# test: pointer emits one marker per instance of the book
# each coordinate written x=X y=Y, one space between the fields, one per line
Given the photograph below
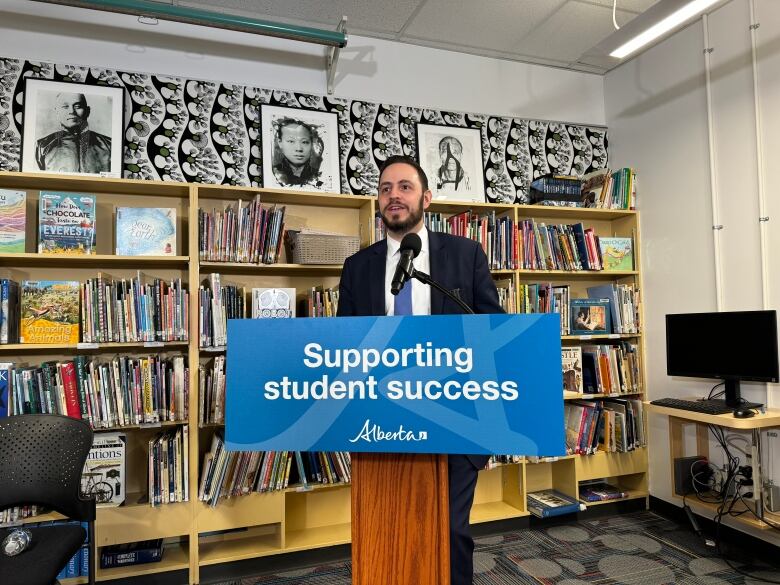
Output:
x=104 y=471
x=50 y=311
x=273 y=303
x=546 y=503
x=131 y=553
x=571 y=359
x=590 y=316
x=145 y=231
x=617 y=253
x=66 y=223
x=600 y=491
x=13 y=216
x=5 y=393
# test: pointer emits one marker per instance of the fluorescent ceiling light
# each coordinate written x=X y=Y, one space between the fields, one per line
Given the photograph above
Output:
x=688 y=11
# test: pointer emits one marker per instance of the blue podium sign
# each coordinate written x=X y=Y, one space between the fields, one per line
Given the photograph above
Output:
x=476 y=384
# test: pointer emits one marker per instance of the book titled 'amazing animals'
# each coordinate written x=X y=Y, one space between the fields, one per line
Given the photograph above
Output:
x=50 y=311
x=66 y=223
x=145 y=231
x=13 y=205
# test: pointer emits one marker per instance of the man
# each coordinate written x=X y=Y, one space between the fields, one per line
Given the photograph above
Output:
x=298 y=152
x=458 y=264
x=75 y=148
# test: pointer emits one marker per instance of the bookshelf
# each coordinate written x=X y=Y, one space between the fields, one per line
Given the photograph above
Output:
x=261 y=524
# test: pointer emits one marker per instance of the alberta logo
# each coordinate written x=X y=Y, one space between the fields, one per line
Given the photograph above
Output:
x=373 y=433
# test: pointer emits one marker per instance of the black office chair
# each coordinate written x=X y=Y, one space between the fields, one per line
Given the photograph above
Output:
x=41 y=460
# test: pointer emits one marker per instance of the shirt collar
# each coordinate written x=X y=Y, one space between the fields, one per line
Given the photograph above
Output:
x=394 y=245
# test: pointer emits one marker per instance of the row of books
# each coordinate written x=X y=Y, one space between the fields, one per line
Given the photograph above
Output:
x=132 y=311
x=216 y=304
x=219 y=302
x=119 y=392
x=606 y=189
x=322 y=302
x=546 y=298
x=241 y=232
x=67 y=225
x=611 y=425
x=211 y=391
x=507 y=295
x=602 y=369
x=226 y=474
x=551 y=502
x=169 y=467
x=100 y=310
x=570 y=247
x=496 y=234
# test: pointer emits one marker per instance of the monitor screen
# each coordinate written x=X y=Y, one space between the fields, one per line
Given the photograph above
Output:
x=736 y=345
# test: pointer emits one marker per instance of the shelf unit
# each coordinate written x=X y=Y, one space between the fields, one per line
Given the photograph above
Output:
x=262 y=524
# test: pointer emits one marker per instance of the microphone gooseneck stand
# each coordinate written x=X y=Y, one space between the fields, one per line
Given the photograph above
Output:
x=426 y=279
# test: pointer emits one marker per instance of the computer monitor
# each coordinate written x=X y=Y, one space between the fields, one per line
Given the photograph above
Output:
x=730 y=345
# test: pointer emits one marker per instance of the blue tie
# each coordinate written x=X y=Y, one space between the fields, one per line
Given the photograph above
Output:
x=403 y=300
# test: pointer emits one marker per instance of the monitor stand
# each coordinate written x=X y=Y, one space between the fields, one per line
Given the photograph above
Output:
x=733 y=398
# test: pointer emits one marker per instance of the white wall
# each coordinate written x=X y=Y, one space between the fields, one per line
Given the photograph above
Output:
x=370 y=69
x=657 y=113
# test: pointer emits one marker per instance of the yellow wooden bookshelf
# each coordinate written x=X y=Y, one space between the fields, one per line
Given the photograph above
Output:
x=262 y=524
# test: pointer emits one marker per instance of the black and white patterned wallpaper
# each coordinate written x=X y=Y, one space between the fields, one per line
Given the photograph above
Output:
x=189 y=130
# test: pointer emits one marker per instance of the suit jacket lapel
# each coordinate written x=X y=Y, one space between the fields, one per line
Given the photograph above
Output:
x=438 y=258
x=376 y=278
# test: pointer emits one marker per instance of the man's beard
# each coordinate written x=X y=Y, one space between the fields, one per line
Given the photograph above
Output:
x=404 y=226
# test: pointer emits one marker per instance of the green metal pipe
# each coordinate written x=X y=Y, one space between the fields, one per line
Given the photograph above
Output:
x=209 y=18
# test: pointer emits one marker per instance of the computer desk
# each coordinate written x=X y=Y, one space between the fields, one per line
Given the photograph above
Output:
x=678 y=419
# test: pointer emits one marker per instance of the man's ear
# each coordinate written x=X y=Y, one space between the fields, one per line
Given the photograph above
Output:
x=427 y=196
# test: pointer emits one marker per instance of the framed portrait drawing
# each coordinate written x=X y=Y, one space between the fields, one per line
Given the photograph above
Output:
x=452 y=158
x=300 y=149
x=72 y=128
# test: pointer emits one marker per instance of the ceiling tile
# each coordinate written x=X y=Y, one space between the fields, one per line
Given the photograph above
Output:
x=572 y=30
x=490 y=24
x=370 y=15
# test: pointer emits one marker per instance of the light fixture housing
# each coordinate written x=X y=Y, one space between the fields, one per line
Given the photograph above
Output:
x=677 y=18
x=655 y=24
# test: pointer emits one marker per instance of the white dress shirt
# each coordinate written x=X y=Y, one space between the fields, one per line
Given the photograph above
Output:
x=421 y=293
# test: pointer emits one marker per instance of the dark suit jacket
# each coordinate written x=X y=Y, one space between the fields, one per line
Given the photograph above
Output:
x=456 y=263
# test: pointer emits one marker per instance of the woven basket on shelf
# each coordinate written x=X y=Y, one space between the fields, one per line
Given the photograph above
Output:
x=320 y=248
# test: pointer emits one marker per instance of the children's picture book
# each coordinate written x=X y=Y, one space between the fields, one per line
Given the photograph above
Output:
x=273 y=303
x=547 y=503
x=571 y=359
x=13 y=216
x=66 y=223
x=617 y=253
x=50 y=311
x=590 y=316
x=145 y=231
x=104 y=471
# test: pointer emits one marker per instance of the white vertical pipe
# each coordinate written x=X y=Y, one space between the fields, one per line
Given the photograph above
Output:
x=716 y=226
x=763 y=215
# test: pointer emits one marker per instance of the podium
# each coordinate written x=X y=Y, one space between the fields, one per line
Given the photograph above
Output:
x=400 y=519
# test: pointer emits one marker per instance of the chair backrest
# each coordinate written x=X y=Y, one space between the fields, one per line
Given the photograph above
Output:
x=41 y=460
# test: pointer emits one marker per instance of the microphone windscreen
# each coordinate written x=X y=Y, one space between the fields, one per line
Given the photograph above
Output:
x=411 y=242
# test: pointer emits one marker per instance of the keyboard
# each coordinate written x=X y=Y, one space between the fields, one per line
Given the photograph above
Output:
x=703 y=406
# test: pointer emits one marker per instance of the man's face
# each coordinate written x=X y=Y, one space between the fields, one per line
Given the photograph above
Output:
x=402 y=201
x=296 y=144
x=72 y=110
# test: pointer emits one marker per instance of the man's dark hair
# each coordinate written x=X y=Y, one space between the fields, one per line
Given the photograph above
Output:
x=407 y=160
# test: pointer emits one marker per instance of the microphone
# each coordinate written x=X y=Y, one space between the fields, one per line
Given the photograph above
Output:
x=410 y=248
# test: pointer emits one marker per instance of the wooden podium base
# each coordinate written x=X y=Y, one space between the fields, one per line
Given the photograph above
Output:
x=400 y=519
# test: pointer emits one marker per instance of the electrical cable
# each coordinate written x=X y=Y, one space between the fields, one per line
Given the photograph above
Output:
x=709 y=396
x=728 y=503
x=614 y=11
